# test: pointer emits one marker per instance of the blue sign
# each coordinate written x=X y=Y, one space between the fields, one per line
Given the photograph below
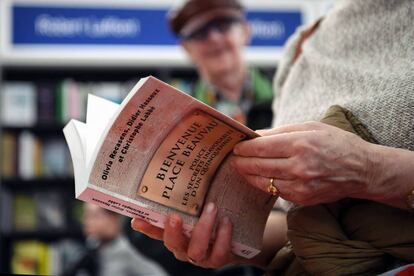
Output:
x=86 y=26
x=273 y=28
x=115 y=26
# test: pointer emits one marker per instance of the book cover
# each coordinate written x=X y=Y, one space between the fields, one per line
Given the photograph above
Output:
x=24 y=213
x=46 y=107
x=30 y=257
x=50 y=211
x=54 y=158
x=6 y=216
x=18 y=104
x=162 y=151
x=37 y=158
x=26 y=155
x=111 y=91
x=9 y=154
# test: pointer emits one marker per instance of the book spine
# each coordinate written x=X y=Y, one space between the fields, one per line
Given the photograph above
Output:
x=6 y=219
x=9 y=154
x=37 y=158
x=126 y=208
x=45 y=103
x=26 y=145
x=60 y=102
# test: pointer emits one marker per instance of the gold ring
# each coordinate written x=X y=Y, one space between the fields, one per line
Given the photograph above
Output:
x=191 y=260
x=272 y=188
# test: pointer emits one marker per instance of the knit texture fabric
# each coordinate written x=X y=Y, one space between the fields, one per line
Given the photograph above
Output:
x=362 y=58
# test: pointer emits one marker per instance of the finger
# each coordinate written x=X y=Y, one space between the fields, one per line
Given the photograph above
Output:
x=260 y=182
x=266 y=167
x=174 y=239
x=277 y=142
x=202 y=233
x=285 y=188
x=296 y=191
x=264 y=146
x=309 y=192
x=307 y=126
x=221 y=252
x=147 y=228
x=275 y=146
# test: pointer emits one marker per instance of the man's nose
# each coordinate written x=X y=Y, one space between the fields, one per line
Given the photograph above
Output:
x=214 y=34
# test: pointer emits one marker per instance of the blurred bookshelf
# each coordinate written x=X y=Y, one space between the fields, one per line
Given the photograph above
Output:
x=39 y=211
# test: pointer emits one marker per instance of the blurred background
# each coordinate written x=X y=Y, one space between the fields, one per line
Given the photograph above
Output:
x=52 y=54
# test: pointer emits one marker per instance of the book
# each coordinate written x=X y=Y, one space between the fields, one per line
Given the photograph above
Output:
x=6 y=217
x=46 y=107
x=34 y=257
x=50 y=211
x=18 y=104
x=26 y=155
x=8 y=157
x=24 y=213
x=161 y=151
x=29 y=257
x=109 y=90
x=54 y=158
x=39 y=211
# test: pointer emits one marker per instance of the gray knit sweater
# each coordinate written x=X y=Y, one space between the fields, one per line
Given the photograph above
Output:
x=362 y=58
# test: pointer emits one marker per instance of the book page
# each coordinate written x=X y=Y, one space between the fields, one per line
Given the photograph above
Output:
x=99 y=114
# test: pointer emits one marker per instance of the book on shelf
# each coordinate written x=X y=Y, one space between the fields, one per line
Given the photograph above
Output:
x=9 y=155
x=6 y=216
x=68 y=99
x=46 y=107
x=50 y=211
x=18 y=104
x=27 y=156
x=183 y=85
x=112 y=91
x=161 y=151
x=36 y=258
x=71 y=97
x=24 y=212
x=55 y=158
x=35 y=212
x=26 y=103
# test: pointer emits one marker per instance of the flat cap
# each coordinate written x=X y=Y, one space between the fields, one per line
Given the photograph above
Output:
x=193 y=14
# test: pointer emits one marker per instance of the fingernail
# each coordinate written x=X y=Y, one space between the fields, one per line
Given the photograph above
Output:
x=137 y=223
x=236 y=150
x=174 y=221
x=210 y=207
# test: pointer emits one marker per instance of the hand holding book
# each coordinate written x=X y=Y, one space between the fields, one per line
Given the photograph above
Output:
x=162 y=152
x=198 y=249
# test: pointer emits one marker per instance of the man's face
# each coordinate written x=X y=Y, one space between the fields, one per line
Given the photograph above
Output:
x=217 y=47
x=99 y=223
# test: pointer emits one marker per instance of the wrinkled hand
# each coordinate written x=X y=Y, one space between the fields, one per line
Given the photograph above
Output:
x=311 y=163
x=197 y=249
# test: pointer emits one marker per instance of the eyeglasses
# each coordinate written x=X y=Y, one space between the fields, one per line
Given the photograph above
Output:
x=221 y=25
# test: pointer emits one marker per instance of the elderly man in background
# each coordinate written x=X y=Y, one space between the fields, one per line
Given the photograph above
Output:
x=214 y=33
